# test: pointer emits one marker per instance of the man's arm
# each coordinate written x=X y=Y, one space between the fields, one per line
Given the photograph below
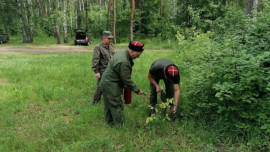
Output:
x=176 y=97
x=153 y=81
x=125 y=74
x=95 y=62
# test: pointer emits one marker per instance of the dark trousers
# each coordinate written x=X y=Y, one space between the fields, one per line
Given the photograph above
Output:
x=168 y=88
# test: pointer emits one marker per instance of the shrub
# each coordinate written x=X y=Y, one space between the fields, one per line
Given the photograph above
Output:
x=229 y=75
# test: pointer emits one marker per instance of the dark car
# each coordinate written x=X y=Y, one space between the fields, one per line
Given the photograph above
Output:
x=3 y=38
x=81 y=37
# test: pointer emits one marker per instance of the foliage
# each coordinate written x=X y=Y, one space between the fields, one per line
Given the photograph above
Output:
x=229 y=75
x=152 y=18
x=159 y=111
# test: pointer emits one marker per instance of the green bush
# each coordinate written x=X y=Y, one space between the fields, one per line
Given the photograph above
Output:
x=229 y=76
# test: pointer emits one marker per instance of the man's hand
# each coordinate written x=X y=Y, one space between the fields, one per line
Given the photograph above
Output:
x=97 y=75
x=174 y=109
x=158 y=88
x=140 y=92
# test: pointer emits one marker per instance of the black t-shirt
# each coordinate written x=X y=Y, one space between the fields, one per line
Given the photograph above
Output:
x=156 y=70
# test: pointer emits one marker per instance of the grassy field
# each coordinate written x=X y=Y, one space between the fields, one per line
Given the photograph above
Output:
x=46 y=105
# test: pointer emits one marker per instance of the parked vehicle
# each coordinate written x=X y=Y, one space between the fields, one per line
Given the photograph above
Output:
x=3 y=38
x=81 y=37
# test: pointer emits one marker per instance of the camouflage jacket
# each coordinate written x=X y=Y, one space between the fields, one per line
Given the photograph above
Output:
x=101 y=57
x=118 y=74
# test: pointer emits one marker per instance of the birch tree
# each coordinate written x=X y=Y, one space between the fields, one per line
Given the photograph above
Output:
x=55 y=23
x=65 y=22
x=23 y=21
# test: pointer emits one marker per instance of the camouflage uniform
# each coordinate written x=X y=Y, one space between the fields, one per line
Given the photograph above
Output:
x=116 y=76
x=101 y=57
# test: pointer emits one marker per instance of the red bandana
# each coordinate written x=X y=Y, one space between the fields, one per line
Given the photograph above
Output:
x=172 y=70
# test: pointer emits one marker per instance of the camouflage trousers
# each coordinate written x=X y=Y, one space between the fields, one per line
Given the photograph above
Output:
x=98 y=91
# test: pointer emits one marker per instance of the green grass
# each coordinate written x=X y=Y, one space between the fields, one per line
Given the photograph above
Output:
x=46 y=105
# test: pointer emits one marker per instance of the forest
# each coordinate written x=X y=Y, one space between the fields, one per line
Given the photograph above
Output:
x=222 y=48
x=140 y=18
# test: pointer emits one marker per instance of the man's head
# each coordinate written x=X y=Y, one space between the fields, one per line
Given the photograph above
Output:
x=107 y=37
x=171 y=72
x=135 y=49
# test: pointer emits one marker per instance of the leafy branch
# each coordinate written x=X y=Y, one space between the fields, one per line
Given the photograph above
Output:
x=160 y=112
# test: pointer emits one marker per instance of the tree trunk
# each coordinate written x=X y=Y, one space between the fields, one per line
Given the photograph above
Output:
x=76 y=14
x=30 y=20
x=45 y=9
x=65 y=22
x=114 y=21
x=131 y=20
x=82 y=5
x=86 y=17
x=109 y=15
x=24 y=34
x=56 y=31
x=23 y=22
x=70 y=10
x=55 y=22
x=250 y=5
x=10 y=11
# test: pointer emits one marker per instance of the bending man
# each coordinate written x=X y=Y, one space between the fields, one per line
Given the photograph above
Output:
x=167 y=71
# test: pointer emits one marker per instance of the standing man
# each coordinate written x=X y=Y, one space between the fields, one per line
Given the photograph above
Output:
x=116 y=76
x=167 y=71
x=101 y=56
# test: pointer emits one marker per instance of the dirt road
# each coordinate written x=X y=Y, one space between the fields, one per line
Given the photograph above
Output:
x=57 y=49
x=7 y=50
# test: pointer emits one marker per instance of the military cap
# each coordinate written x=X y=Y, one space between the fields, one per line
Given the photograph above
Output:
x=108 y=34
